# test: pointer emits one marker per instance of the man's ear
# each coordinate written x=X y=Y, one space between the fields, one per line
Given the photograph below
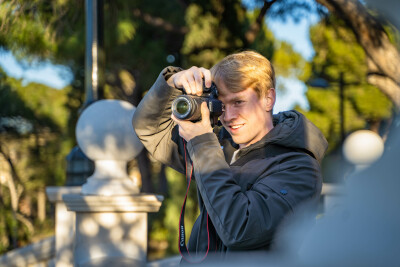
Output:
x=269 y=99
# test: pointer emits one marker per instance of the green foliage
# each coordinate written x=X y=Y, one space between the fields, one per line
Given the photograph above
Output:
x=370 y=103
x=365 y=107
x=287 y=62
x=24 y=28
x=336 y=52
x=33 y=146
x=125 y=31
x=44 y=111
x=209 y=39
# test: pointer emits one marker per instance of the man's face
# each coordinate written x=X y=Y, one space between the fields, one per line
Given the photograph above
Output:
x=246 y=117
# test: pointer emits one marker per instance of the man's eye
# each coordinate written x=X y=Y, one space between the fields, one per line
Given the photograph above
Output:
x=239 y=102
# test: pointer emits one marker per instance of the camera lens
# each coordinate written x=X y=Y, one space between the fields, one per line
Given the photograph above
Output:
x=182 y=107
x=187 y=107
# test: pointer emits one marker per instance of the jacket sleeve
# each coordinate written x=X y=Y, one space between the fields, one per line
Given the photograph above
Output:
x=248 y=220
x=153 y=124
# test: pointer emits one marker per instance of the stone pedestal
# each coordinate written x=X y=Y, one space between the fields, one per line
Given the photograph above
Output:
x=111 y=215
x=65 y=224
x=111 y=230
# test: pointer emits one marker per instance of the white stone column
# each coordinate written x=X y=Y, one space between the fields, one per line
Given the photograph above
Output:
x=111 y=214
x=65 y=224
x=111 y=231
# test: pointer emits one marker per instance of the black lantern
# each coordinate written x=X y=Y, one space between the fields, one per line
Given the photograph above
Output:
x=79 y=167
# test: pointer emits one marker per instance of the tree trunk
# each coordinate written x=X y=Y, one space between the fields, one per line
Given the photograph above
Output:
x=255 y=27
x=14 y=197
x=383 y=57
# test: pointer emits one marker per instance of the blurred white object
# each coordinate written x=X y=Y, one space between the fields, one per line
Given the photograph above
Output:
x=105 y=134
x=365 y=230
x=362 y=148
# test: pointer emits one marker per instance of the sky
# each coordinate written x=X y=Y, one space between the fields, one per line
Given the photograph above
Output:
x=296 y=33
x=56 y=76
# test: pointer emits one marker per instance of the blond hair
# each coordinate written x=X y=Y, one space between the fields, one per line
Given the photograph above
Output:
x=247 y=69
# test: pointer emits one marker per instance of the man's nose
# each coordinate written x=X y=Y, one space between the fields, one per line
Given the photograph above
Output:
x=229 y=114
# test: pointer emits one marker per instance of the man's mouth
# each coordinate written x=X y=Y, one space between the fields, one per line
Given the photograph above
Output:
x=235 y=127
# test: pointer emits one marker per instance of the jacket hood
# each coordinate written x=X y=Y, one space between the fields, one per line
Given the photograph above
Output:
x=292 y=129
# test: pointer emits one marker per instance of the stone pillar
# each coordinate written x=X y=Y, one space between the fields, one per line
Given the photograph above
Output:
x=111 y=214
x=111 y=230
x=41 y=205
x=65 y=224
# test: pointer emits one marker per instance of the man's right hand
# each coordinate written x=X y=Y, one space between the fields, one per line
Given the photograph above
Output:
x=191 y=80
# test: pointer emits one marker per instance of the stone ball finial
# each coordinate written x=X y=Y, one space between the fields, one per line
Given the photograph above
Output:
x=363 y=147
x=105 y=134
x=104 y=131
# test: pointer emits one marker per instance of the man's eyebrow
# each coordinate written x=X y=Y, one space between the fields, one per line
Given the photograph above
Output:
x=236 y=98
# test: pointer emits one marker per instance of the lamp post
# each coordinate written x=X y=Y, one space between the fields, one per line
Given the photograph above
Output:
x=79 y=166
x=341 y=107
x=94 y=52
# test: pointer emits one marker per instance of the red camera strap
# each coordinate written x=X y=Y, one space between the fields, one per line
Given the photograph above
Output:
x=183 y=250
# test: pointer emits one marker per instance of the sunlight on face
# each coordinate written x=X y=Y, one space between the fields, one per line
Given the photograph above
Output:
x=245 y=116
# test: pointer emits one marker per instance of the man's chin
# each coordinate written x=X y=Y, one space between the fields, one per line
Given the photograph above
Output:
x=237 y=141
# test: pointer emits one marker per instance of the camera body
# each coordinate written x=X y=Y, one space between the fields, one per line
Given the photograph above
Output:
x=187 y=107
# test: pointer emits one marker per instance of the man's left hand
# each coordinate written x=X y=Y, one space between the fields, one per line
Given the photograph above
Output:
x=189 y=130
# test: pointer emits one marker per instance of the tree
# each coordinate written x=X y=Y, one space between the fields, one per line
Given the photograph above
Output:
x=33 y=146
x=337 y=57
x=337 y=53
x=372 y=32
x=382 y=55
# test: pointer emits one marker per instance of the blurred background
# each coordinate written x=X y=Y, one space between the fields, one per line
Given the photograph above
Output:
x=337 y=61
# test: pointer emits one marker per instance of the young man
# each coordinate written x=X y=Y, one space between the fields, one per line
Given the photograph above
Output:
x=276 y=165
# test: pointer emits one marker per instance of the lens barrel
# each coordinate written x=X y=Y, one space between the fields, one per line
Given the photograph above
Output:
x=187 y=107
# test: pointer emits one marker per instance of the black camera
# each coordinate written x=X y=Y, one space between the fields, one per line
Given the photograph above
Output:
x=187 y=107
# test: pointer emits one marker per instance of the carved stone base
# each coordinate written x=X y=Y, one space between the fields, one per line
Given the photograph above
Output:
x=111 y=229
x=65 y=224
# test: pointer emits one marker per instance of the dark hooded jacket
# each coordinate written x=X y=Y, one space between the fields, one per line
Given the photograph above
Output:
x=246 y=200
